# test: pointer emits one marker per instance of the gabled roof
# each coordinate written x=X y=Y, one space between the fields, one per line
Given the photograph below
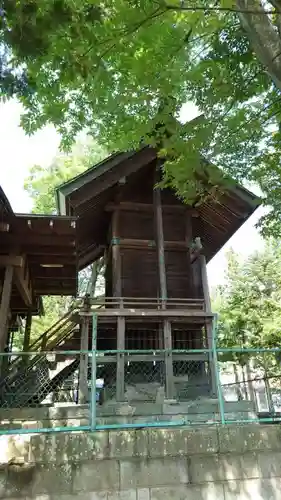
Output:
x=5 y=207
x=90 y=175
x=87 y=196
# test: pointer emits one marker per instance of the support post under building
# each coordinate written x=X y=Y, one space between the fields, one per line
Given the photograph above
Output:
x=117 y=292
x=209 y=326
x=167 y=330
x=5 y=305
x=83 y=368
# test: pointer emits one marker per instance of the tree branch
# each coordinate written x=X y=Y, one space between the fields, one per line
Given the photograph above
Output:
x=263 y=36
x=195 y=8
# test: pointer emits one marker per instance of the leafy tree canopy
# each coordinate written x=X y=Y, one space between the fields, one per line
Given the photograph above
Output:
x=119 y=68
x=249 y=303
x=40 y=185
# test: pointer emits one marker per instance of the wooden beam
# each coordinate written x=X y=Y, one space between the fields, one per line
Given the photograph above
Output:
x=39 y=260
x=5 y=305
x=83 y=366
x=89 y=256
x=116 y=256
x=49 y=251
x=170 y=389
x=23 y=283
x=27 y=331
x=4 y=227
x=205 y=285
x=11 y=260
x=141 y=243
x=167 y=330
x=120 y=376
x=154 y=313
x=148 y=207
x=209 y=328
x=188 y=240
x=33 y=239
x=160 y=242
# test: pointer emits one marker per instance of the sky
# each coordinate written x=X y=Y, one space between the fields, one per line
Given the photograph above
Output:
x=20 y=152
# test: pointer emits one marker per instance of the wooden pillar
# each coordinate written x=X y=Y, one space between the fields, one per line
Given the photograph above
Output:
x=5 y=305
x=27 y=331
x=205 y=285
x=188 y=240
x=83 y=367
x=209 y=326
x=116 y=256
x=26 y=340
x=160 y=245
x=170 y=390
x=163 y=292
x=120 y=375
x=93 y=280
x=117 y=292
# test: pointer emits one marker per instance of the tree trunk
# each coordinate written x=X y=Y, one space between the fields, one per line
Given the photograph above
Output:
x=263 y=34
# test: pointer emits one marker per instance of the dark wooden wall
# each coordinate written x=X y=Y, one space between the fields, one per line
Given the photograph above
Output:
x=137 y=243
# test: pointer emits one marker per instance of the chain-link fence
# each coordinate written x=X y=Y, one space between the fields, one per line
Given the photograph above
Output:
x=88 y=390
x=251 y=379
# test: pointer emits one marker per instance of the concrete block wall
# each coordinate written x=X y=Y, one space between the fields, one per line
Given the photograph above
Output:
x=192 y=412
x=203 y=463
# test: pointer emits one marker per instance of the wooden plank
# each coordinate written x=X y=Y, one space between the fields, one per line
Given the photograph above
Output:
x=116 y=257
x=88 y=257
x=142 y=243
x=142 y=313
x=170 y=389
x=23 y=283
x=13 y=260
x=5 y=305
x=148 y=207
x=160 y=242
x=188 y=241
x=209 y=328
x=39 y=260
x=120 y=376
x=83 y=365
x=4 y=227
x=31 y=239
x=209 y=332
x=205 y=285
x=27 y=331
x=144 y=300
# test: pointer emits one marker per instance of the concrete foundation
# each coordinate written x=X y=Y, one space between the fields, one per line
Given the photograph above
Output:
x=206 y=463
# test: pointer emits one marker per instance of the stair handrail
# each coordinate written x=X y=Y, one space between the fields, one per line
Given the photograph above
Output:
x=46 y=386
x=9 y=378
x=45 y=335
x=48 y=334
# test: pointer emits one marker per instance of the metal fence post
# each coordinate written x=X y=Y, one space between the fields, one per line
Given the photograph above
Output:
x=217 y=370
x=93 y=409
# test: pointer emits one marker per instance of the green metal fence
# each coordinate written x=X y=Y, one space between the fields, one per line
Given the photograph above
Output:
x=40 y=391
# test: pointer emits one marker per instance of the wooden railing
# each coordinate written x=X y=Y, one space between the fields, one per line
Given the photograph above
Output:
x=147 y=303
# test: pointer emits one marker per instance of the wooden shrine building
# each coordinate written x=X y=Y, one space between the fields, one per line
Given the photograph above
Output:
x=156 y=249
x=37 y=258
